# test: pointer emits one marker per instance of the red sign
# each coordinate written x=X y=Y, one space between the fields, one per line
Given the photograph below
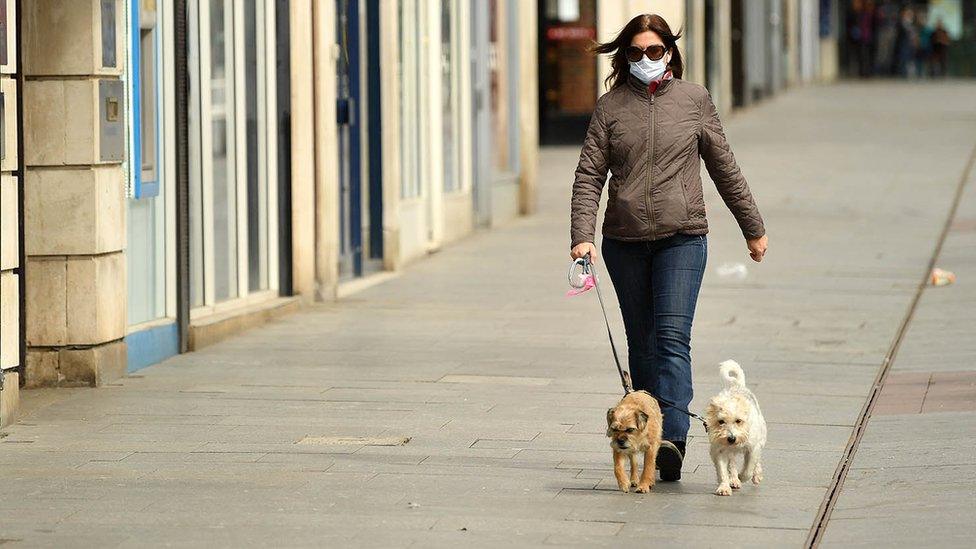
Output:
x=570 y=33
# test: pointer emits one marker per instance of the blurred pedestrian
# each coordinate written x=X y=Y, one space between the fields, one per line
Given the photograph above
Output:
x=886 y=31
x=853 y=37
x=650 y=131
x=906 y=44
x=940 y=51
x=866 y=22
x=924 y=52
x=860 y=34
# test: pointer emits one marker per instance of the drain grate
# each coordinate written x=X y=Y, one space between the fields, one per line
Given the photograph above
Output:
x=354 y=441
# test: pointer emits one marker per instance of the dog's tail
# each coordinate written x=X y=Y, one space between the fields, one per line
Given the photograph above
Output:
x=732 y=374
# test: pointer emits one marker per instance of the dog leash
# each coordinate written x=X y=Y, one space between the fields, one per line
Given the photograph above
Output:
x=589 y=268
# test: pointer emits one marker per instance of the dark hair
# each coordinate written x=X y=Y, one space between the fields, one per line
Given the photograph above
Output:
x=616 y=47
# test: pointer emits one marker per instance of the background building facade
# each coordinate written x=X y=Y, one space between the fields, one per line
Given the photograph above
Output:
x=742 y=51
x=11 y=215
x=194 y=167
x=177 y=170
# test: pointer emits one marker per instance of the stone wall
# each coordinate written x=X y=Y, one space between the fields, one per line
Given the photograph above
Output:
x=74 y=227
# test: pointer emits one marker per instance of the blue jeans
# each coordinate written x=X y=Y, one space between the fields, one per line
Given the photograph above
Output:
x=657 y=285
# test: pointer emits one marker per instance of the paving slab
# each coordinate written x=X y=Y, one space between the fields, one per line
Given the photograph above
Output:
x=913 y=478
x=502 y=383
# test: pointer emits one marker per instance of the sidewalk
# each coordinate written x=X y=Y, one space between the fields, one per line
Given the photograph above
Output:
x=502 y=384
x=913 y=479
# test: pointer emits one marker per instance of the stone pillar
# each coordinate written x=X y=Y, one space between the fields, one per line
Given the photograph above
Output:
x=792 y=21
x=325 y=53
x=528 y=108
x=74 y=145
x=10 y=272
x=302 y=149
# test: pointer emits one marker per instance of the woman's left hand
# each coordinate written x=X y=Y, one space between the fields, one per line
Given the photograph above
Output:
x=757 y=248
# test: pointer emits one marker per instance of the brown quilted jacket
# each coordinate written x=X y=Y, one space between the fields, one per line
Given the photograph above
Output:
x=651 y=145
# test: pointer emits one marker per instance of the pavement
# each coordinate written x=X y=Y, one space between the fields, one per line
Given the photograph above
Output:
x=913 y=477
x=295 y=434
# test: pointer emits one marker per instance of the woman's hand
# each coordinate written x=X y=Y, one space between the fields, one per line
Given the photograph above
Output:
x=582 y=249
x=757 y=248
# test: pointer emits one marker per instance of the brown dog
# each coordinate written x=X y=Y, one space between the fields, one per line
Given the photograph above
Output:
x=633 y=426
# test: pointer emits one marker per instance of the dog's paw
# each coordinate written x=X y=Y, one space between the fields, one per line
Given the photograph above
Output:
x=757 y=478
x=625 y=488
x=644 y=488
x=735 y=484
x=634 y=482
x=723 y=490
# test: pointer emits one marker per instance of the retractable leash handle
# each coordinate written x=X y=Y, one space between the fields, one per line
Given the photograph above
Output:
x=625 y=380
x=575 y=278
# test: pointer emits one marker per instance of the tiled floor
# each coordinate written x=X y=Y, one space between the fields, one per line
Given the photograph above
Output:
x=913 y=477
x=927 y=392
x=501 y=384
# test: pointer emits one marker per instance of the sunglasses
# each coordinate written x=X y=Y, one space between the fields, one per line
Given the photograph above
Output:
x=653 y=52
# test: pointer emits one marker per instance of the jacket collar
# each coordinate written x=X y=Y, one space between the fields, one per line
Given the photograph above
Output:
x=642 y=90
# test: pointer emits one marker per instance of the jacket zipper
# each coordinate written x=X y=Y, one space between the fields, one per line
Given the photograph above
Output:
x=648 y=200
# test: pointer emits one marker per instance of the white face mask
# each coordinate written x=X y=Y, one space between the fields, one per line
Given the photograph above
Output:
x=647 y=70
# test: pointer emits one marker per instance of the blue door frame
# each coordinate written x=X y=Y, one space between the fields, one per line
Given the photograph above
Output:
x=162 y=339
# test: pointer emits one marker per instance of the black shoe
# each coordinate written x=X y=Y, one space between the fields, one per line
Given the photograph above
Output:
x=669 y=461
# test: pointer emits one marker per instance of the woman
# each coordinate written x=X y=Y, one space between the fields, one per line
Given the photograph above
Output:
x=648 y=131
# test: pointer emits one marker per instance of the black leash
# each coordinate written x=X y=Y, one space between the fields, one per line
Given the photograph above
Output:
x=589 y=268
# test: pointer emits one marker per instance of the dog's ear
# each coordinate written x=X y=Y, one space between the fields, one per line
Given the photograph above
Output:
x=609 y=421
x=711 y=410
x=641 y=420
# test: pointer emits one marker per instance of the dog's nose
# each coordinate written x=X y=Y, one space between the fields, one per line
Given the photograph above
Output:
x=731 y=439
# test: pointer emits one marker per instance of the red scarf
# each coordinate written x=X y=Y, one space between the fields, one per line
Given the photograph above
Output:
x=653 y=85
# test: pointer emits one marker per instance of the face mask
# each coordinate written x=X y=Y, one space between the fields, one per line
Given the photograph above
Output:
x=647 y=70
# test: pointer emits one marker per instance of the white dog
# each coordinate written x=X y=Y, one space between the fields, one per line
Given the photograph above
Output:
x=736 y=427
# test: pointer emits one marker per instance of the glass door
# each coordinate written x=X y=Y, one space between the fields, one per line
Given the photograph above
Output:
x=450 y=96
x=147 y=205
x=567 y=69
x=480 y=104
x=350 y=139
x=219 y=152
x=233 y=253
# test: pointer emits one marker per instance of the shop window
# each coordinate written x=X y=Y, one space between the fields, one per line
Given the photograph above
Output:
x=147 y=209
x=450 y=69
x=411 y=103
x=233 y=257
x=567 y=69
x=148 y=120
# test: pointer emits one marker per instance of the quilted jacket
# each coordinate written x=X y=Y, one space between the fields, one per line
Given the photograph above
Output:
x=651 y=144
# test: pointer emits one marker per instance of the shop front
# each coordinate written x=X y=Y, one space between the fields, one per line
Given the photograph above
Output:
x=232 y=147
x=233 y=162
x=152 y=333
x=568 y=70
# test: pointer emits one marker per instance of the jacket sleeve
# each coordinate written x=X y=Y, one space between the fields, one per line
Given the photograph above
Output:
x=725 y=172
x=591 y=175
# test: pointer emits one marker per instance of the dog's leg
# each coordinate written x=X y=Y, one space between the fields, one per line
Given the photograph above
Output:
x=620 y=472
x=633 y=470
x=753 y=468
x=721 y=461
x=734 y=482
x=647 y=476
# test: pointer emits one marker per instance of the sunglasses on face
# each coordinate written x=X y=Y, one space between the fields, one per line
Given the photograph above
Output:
x=653 y=52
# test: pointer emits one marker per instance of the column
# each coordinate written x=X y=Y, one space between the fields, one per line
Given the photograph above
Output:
x=74 y=146
x=10 y=272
